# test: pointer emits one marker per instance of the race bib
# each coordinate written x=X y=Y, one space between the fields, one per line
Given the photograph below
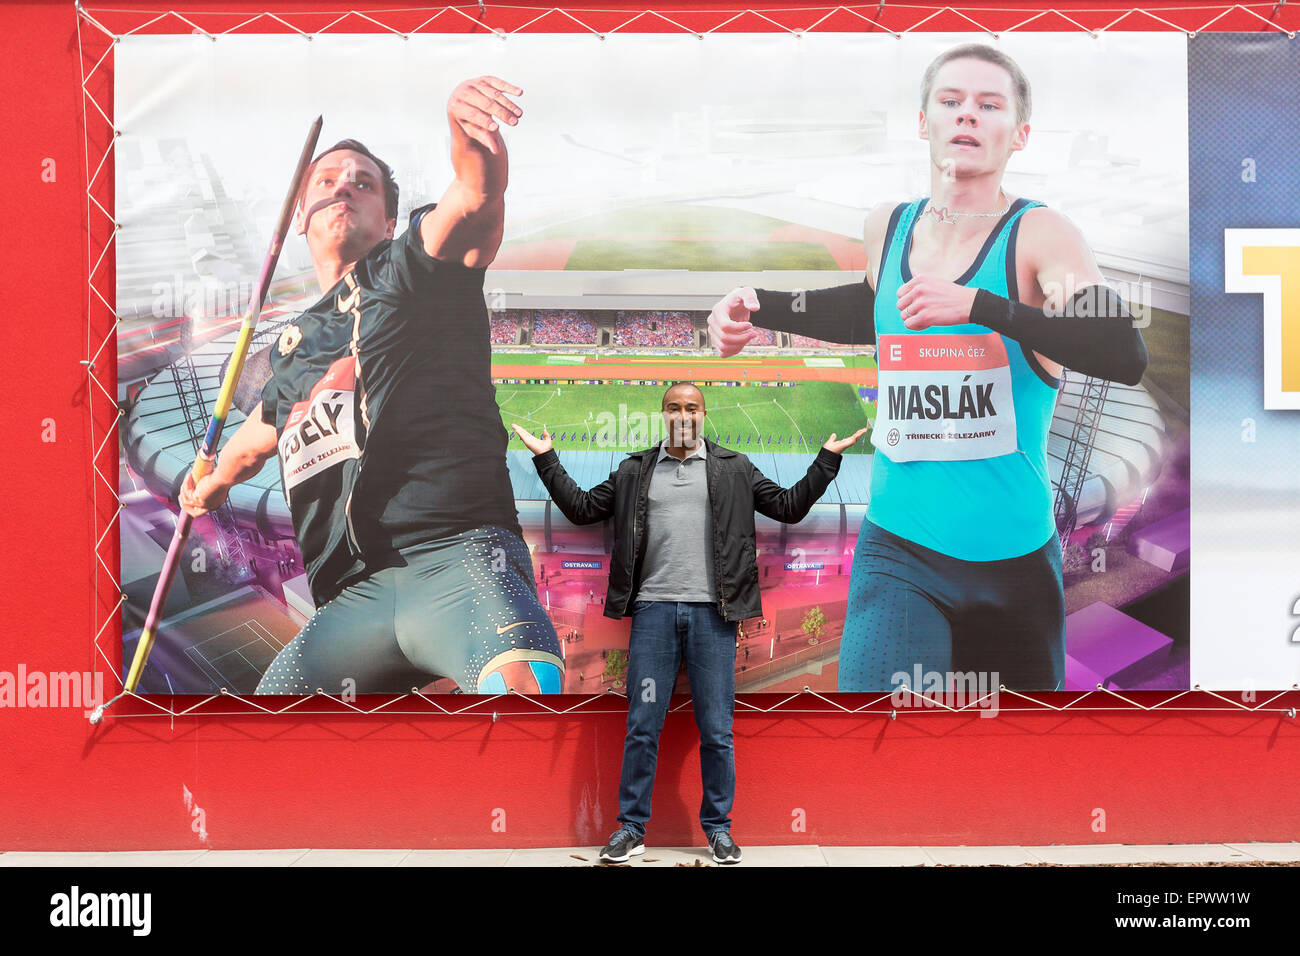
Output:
x=320 y=432
x=944 y=398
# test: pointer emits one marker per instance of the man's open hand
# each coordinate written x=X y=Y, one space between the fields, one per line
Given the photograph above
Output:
x=838 y=446
x=729 y=326
x=480 y=105
x=538 y=446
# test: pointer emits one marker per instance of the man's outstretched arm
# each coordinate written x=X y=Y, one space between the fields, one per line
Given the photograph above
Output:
x=792 y=504
x=580 y=507
x=1091 y=332
x=466 y=226
x=842 y=314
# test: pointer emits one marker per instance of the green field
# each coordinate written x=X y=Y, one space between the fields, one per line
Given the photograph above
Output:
x=684 y=236
x=626 y=417
x=521 y=358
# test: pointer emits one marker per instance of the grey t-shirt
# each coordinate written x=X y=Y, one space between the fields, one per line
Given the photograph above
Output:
x=679 y=531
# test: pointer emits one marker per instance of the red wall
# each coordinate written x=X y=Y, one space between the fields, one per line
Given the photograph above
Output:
x=436 y=781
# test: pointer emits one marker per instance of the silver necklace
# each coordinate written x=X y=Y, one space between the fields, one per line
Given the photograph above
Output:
x=942 y=213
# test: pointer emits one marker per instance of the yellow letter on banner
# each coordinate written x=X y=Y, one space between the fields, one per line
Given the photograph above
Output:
x=1267 y=261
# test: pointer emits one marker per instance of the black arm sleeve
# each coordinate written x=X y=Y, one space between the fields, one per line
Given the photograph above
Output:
x=1095 y=334
x=580 y=507
x=842 y=314
x=792 y=504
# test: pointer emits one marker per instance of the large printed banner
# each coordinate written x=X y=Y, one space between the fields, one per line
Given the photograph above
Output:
x=1245 y=286
x=1008 y=518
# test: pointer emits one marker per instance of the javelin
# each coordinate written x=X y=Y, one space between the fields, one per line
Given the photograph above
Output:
x=203 y=461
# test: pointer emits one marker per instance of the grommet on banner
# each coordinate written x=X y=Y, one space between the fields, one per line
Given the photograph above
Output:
x=893 y=715
x=495 y=715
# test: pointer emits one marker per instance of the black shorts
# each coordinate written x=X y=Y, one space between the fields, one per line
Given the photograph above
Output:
x=457 y=607
x=914 y=610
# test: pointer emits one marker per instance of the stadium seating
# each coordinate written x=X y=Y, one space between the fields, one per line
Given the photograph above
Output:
x=661 y=329
x=563 y=327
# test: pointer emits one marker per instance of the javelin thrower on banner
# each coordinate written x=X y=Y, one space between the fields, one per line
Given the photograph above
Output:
x=381 y=410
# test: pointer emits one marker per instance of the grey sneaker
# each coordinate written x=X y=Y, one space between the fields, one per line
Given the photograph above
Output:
x=623 y=844
x=724 y=847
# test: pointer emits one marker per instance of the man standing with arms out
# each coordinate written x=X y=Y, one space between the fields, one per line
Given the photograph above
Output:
x=680 y=508
x=383 y=414
x=970 y=301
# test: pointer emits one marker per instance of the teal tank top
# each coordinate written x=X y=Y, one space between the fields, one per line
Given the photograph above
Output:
x=962 y=415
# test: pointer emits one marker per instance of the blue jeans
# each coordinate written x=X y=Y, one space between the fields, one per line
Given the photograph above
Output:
x=663 y=632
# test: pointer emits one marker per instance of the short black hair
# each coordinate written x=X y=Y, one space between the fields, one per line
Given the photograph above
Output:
x=385 y=171
x=674 y=385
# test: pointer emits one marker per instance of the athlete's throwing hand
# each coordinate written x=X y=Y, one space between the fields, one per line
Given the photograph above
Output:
x=924 y=301
x=208 y=495
x=843 y=443
x=538 y=446
x=729 y=327
x=480 y=105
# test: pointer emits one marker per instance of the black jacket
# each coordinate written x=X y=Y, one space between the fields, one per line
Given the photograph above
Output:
x=736 y=490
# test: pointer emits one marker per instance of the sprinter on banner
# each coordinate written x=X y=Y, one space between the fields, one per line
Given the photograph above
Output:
x=957 y=565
